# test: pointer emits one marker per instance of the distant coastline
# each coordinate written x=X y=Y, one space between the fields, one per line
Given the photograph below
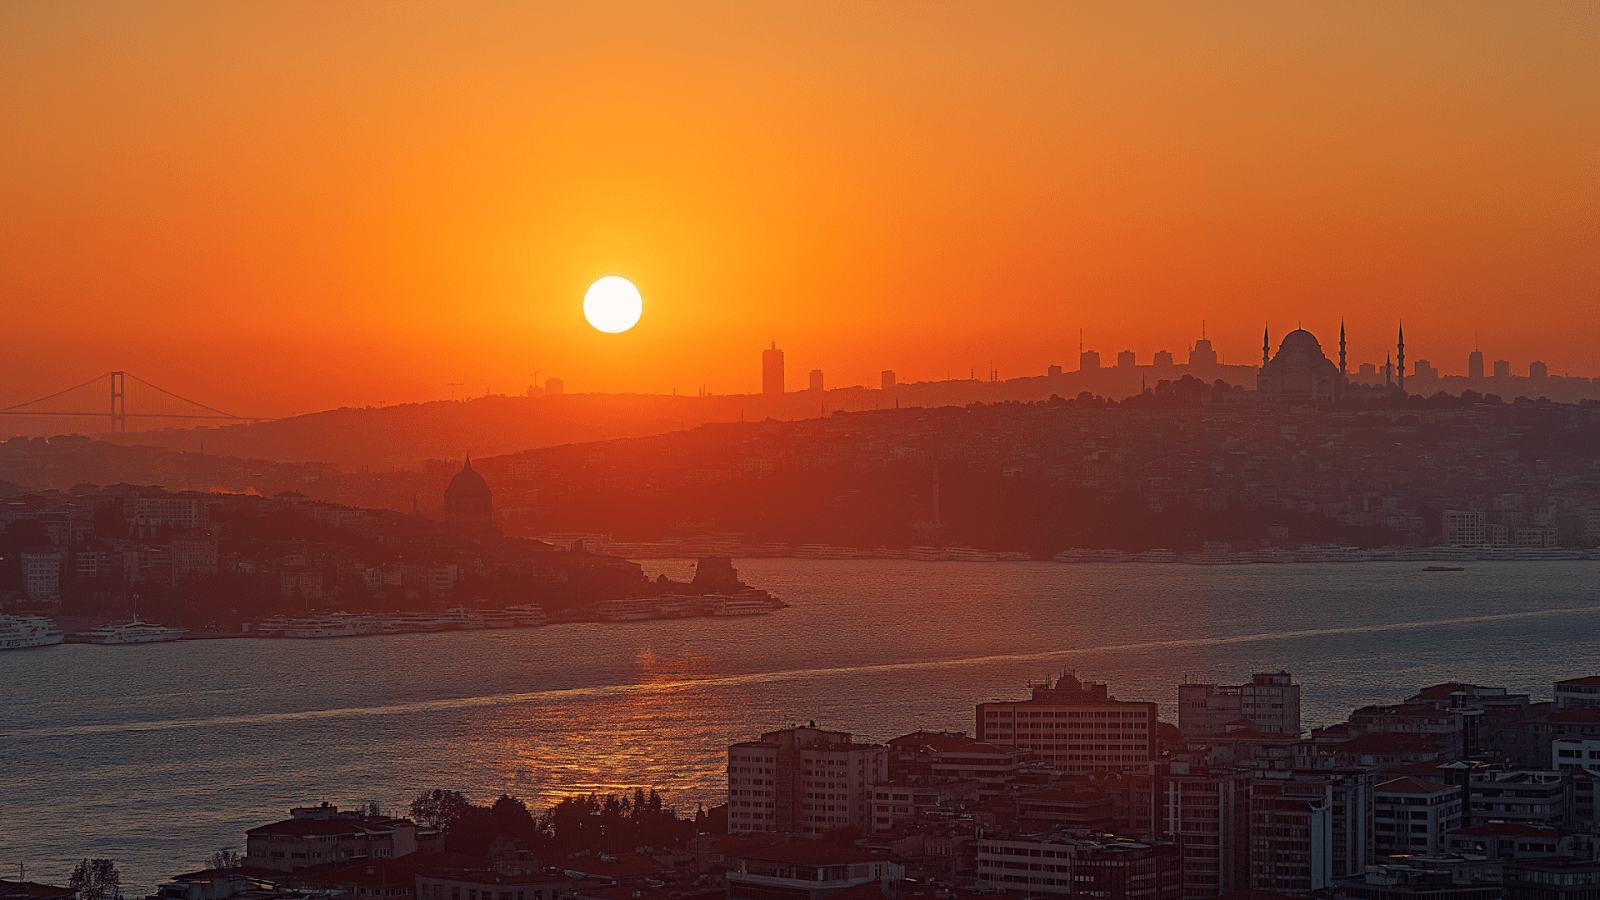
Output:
x=1214 y=554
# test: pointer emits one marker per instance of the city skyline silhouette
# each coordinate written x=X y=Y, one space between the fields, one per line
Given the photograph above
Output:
x=227 y=191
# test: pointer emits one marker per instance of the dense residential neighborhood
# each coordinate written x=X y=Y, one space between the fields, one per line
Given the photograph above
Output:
x=1460 y=791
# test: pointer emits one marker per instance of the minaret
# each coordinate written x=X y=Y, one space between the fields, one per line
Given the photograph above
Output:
x=1266 y=347
x=1401 y=359
x=1388 y=370
x=1343 y=372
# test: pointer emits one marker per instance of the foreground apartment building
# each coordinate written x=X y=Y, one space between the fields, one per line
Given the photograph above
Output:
x=1075 y=726
x=802 y=779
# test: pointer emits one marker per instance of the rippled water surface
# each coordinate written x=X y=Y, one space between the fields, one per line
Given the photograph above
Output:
x=156 y=756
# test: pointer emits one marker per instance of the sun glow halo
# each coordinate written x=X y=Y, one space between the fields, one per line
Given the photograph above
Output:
x=612 y=304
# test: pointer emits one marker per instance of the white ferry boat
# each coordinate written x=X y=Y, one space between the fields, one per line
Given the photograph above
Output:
x=631 y=610
x=680 y=606
x=498 y=618
x=133 y=632
x=738 y=606
x=22 y=632
x=462 y=617
x=332 y=625
x=411 y=622
x=528 y=614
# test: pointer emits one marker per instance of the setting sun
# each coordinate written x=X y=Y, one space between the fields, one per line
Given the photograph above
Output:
x=612 y=304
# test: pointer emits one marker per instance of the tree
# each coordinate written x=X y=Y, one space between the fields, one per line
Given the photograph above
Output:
x=439 y=809
x=96 y=879
x=226 y=858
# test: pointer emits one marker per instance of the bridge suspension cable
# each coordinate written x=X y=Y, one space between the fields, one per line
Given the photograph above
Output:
x=155 y=403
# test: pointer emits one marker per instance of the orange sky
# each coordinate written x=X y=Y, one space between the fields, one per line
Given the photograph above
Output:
x=279 y=207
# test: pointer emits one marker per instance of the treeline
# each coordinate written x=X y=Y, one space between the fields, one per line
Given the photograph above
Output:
x=607 y=824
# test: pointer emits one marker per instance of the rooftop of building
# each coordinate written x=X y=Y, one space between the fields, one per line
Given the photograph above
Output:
x=1438 y=692
x=1403 y=710
x=229 y=872
x=946 y=742
x=1585 y=681
x=332 y=827
x=1391 y=742
x=670 y=891
x=1410 y=784
x=1582 y=715
x=1508 y=829
x=631 y=865
x=816 y=853
x=1093 y=839
x=1065 y=792
x=32 y=890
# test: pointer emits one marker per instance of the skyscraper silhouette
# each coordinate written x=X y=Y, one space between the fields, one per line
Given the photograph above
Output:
x=772 y=370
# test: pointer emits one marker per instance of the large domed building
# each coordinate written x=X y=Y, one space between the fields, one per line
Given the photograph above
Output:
x=468 y=500
x=1300 y=372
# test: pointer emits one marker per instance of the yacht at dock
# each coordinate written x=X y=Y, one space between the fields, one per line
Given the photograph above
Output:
x=132 y=632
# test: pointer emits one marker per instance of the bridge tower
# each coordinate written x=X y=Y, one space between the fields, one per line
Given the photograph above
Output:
x=119 y=402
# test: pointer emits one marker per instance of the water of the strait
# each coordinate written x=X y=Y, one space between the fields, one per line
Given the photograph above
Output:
x=157 y=755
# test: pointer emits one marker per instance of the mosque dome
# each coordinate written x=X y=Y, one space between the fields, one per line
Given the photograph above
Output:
x=1301 y=341
x=1300 y=372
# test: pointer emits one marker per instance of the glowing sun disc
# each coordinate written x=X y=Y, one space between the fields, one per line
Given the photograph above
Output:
x=612 y=304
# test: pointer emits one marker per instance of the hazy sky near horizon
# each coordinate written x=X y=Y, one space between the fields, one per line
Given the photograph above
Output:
x=278 y=207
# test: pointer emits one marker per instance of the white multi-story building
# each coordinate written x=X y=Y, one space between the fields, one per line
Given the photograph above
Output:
x=1568 y=752
x=1464 y=527
x=1074 y=725
x=41 y=576
x=1270 y=702
x=1575 y=693
x=1413 y=815
x=145 y=515
x=803 y=780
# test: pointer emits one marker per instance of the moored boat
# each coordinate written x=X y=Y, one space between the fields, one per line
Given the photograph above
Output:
x=133 y=632
x=23 y=632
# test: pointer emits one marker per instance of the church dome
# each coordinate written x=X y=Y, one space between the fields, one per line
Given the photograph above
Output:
x=468 y=482
x=468 y=500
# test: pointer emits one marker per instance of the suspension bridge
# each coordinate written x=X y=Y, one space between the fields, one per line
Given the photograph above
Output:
x=121 y=396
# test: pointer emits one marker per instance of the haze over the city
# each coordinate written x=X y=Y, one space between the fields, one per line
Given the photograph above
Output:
x=292 y=207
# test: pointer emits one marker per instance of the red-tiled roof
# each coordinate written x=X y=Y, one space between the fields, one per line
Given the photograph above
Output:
x=312 y=828
x=1583 y=715
x=1410 y=784
x=1437 y=692
x=1585 y=681
x=1391 y=742
x=1404 y=710
x=245 y=871
x=32 y=890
